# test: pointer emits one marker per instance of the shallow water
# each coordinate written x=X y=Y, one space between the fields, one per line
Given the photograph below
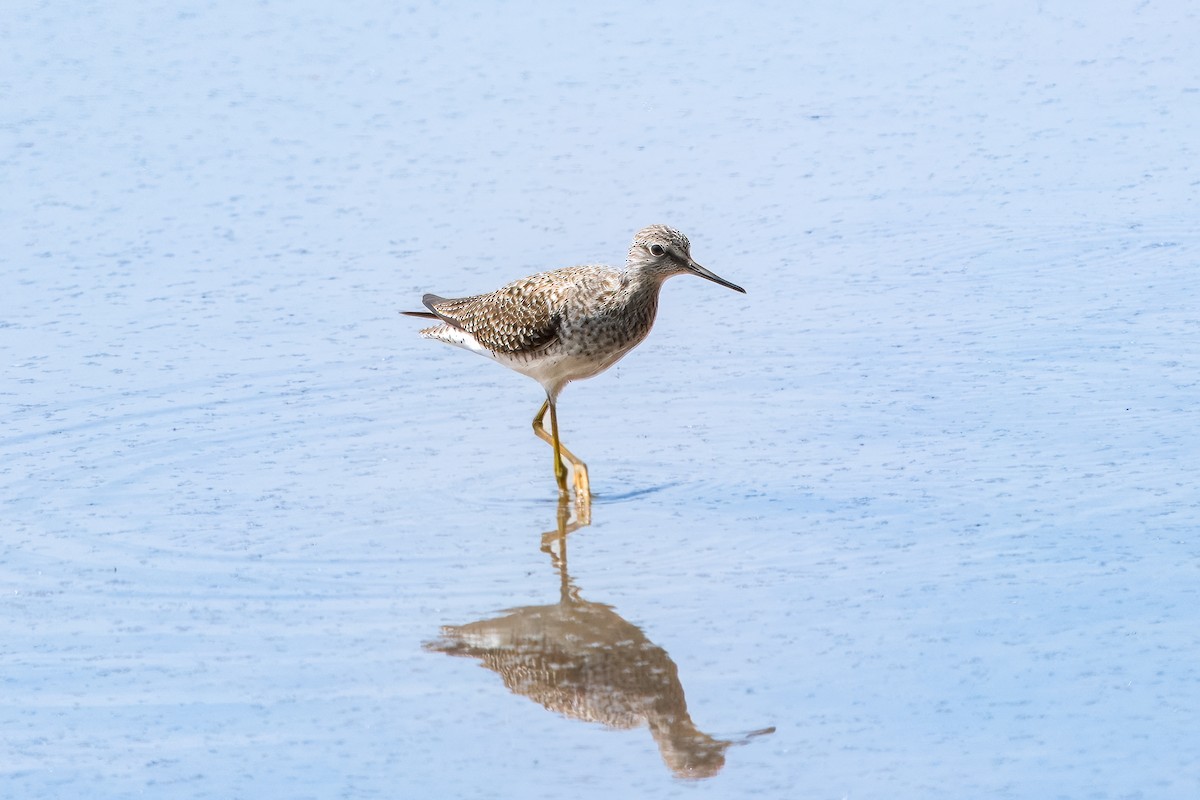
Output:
x=923 y=500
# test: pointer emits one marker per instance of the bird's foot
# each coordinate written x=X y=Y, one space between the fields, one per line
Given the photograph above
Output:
x=583 y=486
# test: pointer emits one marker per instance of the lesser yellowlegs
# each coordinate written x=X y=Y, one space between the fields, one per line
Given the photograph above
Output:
x=567 y=324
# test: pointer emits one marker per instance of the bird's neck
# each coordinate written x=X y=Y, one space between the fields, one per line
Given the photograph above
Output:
x=641 y=291
x=644 y=284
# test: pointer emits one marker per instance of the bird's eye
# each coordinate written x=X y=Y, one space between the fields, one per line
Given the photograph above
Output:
x=657 y=250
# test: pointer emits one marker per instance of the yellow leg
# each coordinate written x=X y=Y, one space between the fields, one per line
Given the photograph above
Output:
x=539 y=428
x=579 y=473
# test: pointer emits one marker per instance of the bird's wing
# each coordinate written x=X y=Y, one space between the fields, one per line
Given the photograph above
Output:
x=519 y=318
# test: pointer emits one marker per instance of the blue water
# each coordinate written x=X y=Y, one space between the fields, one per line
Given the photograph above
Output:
x=923 y=500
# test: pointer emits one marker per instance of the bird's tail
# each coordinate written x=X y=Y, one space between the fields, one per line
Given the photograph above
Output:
x=421 y=314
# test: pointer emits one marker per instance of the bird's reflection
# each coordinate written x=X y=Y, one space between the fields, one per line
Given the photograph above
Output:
x=582 y=660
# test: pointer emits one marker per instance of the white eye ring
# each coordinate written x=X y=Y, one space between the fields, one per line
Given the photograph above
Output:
x=657 y=250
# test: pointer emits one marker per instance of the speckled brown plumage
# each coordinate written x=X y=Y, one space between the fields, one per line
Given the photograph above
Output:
x=570 y=323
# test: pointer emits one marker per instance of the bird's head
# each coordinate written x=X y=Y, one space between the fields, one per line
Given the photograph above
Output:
x=662 y=251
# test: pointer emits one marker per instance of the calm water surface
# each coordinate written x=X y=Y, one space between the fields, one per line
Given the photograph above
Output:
x=923 y=501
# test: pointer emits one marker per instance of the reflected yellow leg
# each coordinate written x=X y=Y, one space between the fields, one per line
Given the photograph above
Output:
x=579 y=473
x=566 y=525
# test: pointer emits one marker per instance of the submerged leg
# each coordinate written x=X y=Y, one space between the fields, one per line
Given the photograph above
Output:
x=579 y=473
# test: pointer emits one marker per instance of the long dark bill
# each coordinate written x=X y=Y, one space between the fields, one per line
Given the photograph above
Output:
x=712 y=276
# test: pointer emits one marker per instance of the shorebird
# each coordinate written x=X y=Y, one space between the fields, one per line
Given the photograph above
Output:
x=567 y=324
